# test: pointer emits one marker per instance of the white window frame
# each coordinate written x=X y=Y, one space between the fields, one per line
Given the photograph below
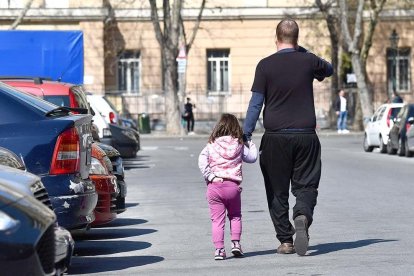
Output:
x=217 y=61
x=399 y=58
x=128 y=62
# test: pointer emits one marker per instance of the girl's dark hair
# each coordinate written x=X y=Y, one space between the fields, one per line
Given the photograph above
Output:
x=228 y=125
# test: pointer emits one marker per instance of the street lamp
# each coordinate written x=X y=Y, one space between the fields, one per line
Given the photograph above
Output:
x=394 y=38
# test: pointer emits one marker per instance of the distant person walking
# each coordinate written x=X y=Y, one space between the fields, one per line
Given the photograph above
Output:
x=290 y=149
x=188 y=116
x=341 y=108
x=220 y=163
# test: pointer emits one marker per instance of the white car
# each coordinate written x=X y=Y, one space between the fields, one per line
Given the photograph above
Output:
x=98 y=119
x=378 y=127
x=103 y=106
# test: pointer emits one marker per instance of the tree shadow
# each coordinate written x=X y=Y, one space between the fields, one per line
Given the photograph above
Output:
x=104 y=247
x=109 y=233
x=326 y=248
x=106 y=264
x=260 y=253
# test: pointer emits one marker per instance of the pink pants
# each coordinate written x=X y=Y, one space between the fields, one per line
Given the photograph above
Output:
x=221 y=197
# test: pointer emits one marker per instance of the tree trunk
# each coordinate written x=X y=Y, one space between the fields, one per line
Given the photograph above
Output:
x=172 y=114
x=22 y=14
x=363 y=92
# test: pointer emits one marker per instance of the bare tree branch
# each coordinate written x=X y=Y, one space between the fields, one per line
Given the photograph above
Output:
x=22 y=14
x=344 y=25
x=166 y=18
x=358 y=24
x=156 y=22
x=196 y=26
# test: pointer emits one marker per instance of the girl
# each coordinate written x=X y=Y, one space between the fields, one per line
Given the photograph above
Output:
x=220 y=163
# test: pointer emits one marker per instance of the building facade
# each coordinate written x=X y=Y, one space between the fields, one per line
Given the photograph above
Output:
x=123 y=58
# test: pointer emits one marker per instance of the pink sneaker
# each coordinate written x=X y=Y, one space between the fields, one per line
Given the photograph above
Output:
x=220 y=254
x=236 y=249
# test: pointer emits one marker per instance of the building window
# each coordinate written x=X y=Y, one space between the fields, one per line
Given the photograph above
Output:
x=400 y=71
x=218 y=77
x=61 y=4
x=129 y=66
x=11 y=4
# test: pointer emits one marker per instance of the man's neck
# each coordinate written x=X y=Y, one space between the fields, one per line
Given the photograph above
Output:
x=281 y=46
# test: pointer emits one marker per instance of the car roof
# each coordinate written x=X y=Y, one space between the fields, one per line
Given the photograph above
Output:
x=44 y=88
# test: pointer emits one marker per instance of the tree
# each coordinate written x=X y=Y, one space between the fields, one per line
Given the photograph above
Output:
x=332 y=21
x=22 y=14
x=168 y=38
x=359 y=51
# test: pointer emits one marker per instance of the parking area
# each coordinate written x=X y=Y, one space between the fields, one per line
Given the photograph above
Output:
x=362 y=221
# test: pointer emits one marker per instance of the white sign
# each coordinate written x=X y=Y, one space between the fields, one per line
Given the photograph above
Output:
x=182 y=65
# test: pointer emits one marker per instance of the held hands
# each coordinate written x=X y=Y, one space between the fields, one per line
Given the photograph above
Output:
x=217 y=179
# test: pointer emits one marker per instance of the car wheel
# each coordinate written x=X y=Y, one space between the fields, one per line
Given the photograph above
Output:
x=382 y=146
x=408 y=153
x=390 y=149
x=401 y=147
x=367 y=148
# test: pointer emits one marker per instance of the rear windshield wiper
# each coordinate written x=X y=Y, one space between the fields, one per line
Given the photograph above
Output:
x=63 y=110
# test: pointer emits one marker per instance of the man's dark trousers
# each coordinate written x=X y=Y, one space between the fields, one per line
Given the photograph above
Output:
x=294 y=158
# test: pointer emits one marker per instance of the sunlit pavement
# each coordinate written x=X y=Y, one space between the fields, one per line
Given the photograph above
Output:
x=363 y=221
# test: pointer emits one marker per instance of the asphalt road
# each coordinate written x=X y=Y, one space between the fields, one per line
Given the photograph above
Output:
x=363 y=222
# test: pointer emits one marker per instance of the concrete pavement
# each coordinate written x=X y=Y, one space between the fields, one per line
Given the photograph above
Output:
x=363 y=220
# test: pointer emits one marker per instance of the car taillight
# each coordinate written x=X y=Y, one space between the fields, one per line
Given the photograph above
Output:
x=389 y=117
x=66 y=155
x=112 y=118
x=407 y=127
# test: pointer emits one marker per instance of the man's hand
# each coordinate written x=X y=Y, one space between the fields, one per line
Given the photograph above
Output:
x=337 y=113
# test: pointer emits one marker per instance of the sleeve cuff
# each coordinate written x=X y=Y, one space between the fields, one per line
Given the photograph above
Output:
x=211 y=177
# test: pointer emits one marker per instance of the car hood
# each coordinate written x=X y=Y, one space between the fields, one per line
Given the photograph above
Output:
x=20 y=180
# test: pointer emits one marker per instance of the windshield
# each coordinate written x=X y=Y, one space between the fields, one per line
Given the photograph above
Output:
x=29 y=99
x=58 y=100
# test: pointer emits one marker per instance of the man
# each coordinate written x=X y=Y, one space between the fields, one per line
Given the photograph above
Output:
x=396 y=98
x=189 y=116
x=341 y=108
x=290 y=148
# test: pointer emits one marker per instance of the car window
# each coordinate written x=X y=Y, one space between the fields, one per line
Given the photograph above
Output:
x=381 y=113
x=29 y=99
x=80 y=96
x=394 y=112
x=58 y=100
x=410 y=111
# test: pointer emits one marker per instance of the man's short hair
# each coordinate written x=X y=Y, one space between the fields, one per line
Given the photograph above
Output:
x=287 y=31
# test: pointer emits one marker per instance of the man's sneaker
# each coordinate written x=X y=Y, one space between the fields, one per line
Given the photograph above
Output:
x=302 y=238
x=345 y=131
x=236 y=249
x=286 y=248
x=220 y=254
x=339 y=131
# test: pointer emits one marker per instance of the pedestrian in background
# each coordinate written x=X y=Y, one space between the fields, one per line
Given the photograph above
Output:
x=188 y=116
x=290 y=149
x=220 y=163
x=396 y=98
x=341 y=108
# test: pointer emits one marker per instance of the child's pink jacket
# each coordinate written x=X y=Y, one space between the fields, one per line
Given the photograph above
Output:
x=224 y=159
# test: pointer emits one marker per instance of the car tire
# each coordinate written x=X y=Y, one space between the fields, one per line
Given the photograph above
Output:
x=401 y=147
x=367 y=148
x=382 y=146
x=390 y=149
x=408 y=153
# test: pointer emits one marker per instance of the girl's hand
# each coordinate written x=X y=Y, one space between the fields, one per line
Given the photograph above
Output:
x=217 y=179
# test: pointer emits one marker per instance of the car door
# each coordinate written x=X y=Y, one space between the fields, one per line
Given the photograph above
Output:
x=376 y=126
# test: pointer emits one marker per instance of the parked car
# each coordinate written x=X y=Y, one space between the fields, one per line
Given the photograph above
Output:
x=56 y=145
x=27 y=232
x=117 y=170
x=64 y=243
x=410 y=138
x=378 y=127
x=106 y=186
x=397 y=141
x=124 y=138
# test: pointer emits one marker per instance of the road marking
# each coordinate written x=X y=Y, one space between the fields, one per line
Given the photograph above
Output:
x=180 y=148
x=149 y=148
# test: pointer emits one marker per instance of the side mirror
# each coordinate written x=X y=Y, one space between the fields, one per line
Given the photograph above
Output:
x=411 y=120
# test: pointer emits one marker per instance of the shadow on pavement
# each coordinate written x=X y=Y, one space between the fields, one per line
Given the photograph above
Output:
x=130 y=205
x=94 y=248
x=122 y=222
x=259 y=253
x=105 y=264
x=109 y=233
x=326 y=248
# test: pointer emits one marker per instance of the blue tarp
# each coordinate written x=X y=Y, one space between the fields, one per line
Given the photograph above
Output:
x=54 y=54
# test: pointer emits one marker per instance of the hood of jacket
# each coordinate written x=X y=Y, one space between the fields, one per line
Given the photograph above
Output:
x=227 y=147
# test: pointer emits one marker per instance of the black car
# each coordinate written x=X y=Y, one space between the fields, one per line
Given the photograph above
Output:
x=64 y=243
x=27 y=235
x=54 y=144
x=410 y=139
x=397 y=141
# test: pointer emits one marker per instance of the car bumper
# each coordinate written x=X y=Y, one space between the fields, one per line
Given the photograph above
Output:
x=120 y=200
x=107 y=190
x=64 y=245
x=73 y=200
